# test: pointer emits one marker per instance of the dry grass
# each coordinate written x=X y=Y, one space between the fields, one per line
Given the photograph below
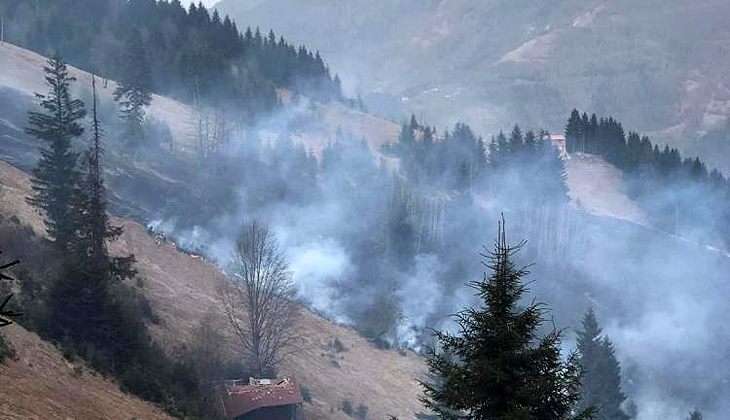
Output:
x=183 y=289
x=42 y=385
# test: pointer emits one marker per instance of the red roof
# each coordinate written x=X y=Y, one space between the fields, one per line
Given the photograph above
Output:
x=239 y=398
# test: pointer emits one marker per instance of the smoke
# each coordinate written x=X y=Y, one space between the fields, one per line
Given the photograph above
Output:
x=660 y=297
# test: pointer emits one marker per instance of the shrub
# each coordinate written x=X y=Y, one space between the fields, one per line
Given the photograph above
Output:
x=305 y=394
x=347 y=407
x=77 y=372
x=381 y=343
x=7 y=351
x=362 y=412
x=338 y=346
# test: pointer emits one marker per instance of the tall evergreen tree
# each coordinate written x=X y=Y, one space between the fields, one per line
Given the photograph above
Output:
x=695 y=415
x=602 y=373
x=54 y=179
x=553 y=174
x=497 y=367
x=93 y=226
x=134 y=91
x=573 y=131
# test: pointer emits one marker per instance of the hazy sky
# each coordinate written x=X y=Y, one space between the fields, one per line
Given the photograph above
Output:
x=207 y=3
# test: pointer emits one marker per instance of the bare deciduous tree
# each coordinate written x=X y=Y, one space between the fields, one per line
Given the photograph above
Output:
x=257 y=300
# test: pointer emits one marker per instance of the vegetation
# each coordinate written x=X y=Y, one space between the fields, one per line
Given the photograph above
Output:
x=198 y=55
x=497 y=367
x=361 y=412
x=258 y=301
x=306 y=395
x=601 y=385
x=695 y=415
x=347 y=407
x=55 y=177
x=85 y=307
x=7 y=351
x=133 y=92
x=680 y=194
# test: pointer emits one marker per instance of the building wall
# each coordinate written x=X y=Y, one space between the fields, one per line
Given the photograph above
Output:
x=282 y=412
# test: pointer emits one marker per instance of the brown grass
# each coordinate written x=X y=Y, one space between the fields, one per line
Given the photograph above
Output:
x=183 y=289
x=42 y=385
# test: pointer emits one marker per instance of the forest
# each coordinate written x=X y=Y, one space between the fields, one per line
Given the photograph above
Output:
x=396 y=242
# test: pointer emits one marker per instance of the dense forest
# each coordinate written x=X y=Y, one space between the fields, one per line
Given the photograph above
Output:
x=402 y=221
x=681 y=194
x=190 y=54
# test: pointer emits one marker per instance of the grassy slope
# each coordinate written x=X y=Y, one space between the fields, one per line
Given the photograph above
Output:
x=42 y=385
x=183 y=289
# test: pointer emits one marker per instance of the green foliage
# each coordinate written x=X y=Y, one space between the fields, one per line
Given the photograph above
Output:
x=680 y=194
x=133 y=92
x=54 y=179
x=497 y=367
x=347 y=407
x=198 y=55
x=695 y=415
x=601 y=385
x=306 y=395
x=361 y=412
x=338 y=346
x=7 y=351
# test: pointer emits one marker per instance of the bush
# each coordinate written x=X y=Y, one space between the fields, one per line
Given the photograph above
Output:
x=362 y=412
x=338 y=346
x=381 y=344
x=347 y=407
x=305 y=394
x=7 y=351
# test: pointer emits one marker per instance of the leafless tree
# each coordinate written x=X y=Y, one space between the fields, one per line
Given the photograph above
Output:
x=257 y=300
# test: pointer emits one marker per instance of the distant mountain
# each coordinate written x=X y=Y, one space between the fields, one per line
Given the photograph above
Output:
x=657 y=65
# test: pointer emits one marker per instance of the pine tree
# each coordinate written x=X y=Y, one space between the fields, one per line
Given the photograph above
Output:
x=497 y=367
x=553 y=175
x=133 y=92
x=695 y=415
x=602 y=373
x=54 y=179
x=93 y=226
x=573 y=132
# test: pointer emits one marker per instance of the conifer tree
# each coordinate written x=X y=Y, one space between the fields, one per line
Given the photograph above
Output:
x=573 y=131
x=695 y=415
x=497 y=367
x=93 y=226
x=134 y=91
x=551 y=167
x=54 y=179
x=602 y=373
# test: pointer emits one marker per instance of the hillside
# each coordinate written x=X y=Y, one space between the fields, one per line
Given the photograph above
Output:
x=597 y=187
x=503 y=61
x=42 y=385
x=167 y=175
x=183 y=289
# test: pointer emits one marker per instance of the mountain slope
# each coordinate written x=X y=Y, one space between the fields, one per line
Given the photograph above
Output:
x=656 y=65
x=42 y=385
x=183 y=290
x=153 y=180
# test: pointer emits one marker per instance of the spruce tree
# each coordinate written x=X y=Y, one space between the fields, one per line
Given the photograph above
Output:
x=695 y=415
x=573 y=131
x=553 y=174
x=93 y=226
x=602 y=373
x=497 y=367
x=54 y=179
x=133 y=93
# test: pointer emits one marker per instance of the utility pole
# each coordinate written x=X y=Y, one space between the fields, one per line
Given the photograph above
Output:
x=2 y=29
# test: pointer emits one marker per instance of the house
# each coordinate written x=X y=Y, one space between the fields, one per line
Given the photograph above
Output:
x=259 y=399
x=558 y=141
